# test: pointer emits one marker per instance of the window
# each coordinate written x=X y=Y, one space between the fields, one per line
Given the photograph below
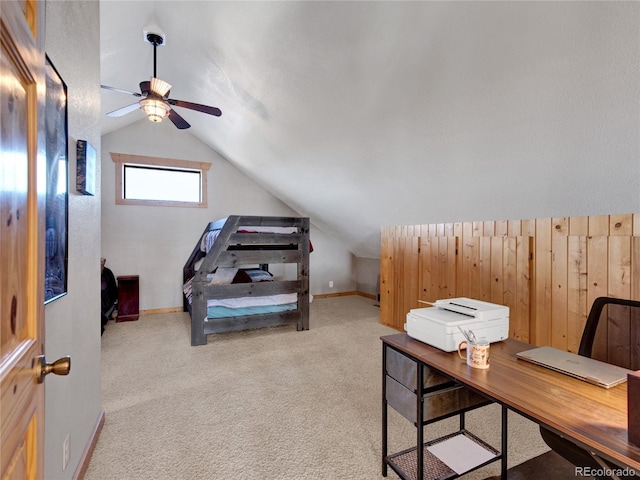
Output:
x=163 y=184
x=160 y=181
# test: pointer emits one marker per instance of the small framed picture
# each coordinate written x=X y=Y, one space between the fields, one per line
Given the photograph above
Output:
x=85 y=168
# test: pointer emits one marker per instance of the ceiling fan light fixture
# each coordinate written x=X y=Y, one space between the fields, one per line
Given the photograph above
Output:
x=155 y=110
x=160 y=86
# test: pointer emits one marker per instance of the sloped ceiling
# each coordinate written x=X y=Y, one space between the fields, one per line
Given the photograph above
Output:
x=364 y=114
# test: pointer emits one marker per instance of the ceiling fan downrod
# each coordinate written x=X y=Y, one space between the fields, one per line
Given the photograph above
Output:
x=155 y=40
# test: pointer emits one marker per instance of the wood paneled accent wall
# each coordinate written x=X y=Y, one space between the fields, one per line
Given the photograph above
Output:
x=547 y=271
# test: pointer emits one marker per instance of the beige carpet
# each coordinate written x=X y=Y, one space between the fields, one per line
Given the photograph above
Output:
x=263 y=404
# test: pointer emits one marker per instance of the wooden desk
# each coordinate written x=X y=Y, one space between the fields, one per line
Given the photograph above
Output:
x=593 y=417
x=423 y=395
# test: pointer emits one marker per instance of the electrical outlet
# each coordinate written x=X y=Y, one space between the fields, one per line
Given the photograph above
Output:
x=330 y=283
x=66 y=452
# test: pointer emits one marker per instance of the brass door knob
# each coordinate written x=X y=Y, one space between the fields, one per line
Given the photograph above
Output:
x=62 y=366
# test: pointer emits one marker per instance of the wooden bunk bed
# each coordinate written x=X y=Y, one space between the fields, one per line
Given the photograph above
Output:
x=241 y=242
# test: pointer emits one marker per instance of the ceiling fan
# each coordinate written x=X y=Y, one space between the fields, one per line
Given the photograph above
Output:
x=154 y=97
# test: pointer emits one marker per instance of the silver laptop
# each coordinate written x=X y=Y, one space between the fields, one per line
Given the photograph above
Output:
x=593 y=371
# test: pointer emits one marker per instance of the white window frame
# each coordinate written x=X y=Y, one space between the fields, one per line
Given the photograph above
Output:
x=122 y=159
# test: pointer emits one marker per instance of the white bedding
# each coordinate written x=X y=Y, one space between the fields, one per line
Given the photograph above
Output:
x=253 y=301
x=247 y=306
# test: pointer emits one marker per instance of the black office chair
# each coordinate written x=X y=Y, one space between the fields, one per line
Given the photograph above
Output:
x=612 y=335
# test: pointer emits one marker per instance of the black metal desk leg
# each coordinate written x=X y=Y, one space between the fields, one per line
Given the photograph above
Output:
x=384 y=410
x=503 y=473
x=419 y=421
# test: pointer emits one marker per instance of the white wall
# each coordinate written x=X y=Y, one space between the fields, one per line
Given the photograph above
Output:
x=73 y=403
x=368 y=275
x=155 y=242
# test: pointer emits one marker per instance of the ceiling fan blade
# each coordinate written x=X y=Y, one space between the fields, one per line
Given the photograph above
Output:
x=145 y=88
x=196 y=106
x=121 y=112
x=177 y=120
x=106 y=87
x=160 y=86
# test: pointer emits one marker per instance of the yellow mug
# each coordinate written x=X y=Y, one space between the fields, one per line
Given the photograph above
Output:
x=477 y=353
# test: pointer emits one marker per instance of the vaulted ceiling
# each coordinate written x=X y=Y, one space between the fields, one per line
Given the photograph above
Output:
x=362 y=114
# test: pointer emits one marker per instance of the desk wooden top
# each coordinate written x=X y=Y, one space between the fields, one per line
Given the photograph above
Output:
x=592 y=416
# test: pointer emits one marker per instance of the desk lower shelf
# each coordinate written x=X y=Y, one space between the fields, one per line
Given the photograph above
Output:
x=405 y=463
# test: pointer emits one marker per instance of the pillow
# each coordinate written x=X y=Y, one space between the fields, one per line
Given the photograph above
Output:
x=242 y=277
x=223 y=276
x=258 y=275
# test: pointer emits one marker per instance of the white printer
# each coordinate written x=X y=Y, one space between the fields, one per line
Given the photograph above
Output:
x=440 y=324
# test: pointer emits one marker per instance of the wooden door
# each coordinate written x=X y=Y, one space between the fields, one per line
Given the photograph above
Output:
x=21 y=238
